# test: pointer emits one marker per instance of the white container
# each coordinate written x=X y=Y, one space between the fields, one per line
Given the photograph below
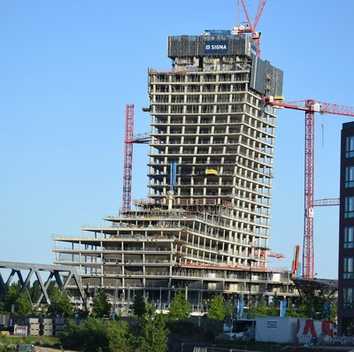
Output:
x=276 y=329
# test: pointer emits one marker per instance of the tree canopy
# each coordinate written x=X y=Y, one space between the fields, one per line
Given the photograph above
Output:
x=180 y=309
x=98 y=335
x=139 y=306
x=101 y=307
x=17 y=300
x=59 y=302
x=217 y=308
x=154 y=332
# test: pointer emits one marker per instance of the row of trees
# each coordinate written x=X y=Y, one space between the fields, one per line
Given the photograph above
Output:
x=18 y=301
x=180 y=308
x=315 y=307
x=148 y=333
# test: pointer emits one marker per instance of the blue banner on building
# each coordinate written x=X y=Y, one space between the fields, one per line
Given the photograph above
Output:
x=215 y=47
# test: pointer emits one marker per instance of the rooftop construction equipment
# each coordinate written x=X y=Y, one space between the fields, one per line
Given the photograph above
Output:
x=251 y=27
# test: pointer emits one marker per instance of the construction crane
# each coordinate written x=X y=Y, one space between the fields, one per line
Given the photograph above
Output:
x=295 y=262
x=250 y=27
x=326 y=202
x=276 y=255
x=310 y=107
x=129 y=140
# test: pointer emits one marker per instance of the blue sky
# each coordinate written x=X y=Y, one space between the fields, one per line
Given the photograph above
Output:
x=68 y=68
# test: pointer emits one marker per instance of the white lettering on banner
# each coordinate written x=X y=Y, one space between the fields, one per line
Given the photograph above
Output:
x=216 y=47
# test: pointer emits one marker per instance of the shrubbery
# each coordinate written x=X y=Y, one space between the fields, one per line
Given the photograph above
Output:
x=95 y=334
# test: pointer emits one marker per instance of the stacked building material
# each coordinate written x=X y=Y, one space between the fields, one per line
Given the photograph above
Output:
x=20 y=330
x=47 y=327
x=33 y=326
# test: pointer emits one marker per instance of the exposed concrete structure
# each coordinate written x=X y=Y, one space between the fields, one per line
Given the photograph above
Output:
x=205 y=227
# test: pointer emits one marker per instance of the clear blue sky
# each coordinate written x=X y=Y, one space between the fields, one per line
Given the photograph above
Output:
x=67 y=69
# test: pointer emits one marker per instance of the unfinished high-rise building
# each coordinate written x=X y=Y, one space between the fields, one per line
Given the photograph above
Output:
x=205 y=227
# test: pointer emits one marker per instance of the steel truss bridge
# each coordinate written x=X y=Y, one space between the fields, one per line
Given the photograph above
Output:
x=62 y=275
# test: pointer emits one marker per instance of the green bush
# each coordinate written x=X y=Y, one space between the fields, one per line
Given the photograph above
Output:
x=47 y=341
x=94 y=335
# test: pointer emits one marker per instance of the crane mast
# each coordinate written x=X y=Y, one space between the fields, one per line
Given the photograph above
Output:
x=310 y=107
x=128 y=157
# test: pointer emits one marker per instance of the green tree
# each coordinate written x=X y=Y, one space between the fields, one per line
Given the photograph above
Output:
x=101 y=307
x=180 y=308
x=11 y=295
x=97 y=335
x=313 y=306
x=229 y=309
x=217 y=309
x=154 y=332
x=35 y=291
x=93 y=336
x=119 y=337
x=59 y=302
x=139 y=307
x=23 y=305
x=262 y=309
x=17 y=300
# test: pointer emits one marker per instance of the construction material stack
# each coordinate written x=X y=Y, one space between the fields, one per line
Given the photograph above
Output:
x=33 y=326
x=47 y=327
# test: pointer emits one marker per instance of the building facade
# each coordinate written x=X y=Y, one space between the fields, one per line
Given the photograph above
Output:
x=206 y=226
x=346 y=232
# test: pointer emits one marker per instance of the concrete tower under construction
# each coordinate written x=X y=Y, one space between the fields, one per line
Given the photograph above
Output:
x=205 y=227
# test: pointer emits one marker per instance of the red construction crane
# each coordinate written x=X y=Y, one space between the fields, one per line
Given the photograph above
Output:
x=251 y=27
x=129 y=140
x=295 y=262
x=310 y=107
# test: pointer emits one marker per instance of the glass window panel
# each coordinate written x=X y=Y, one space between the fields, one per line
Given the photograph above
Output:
x=349 y=147
x=348 y=297
x=349 y=176
x=349 y=207
x=349 y=237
